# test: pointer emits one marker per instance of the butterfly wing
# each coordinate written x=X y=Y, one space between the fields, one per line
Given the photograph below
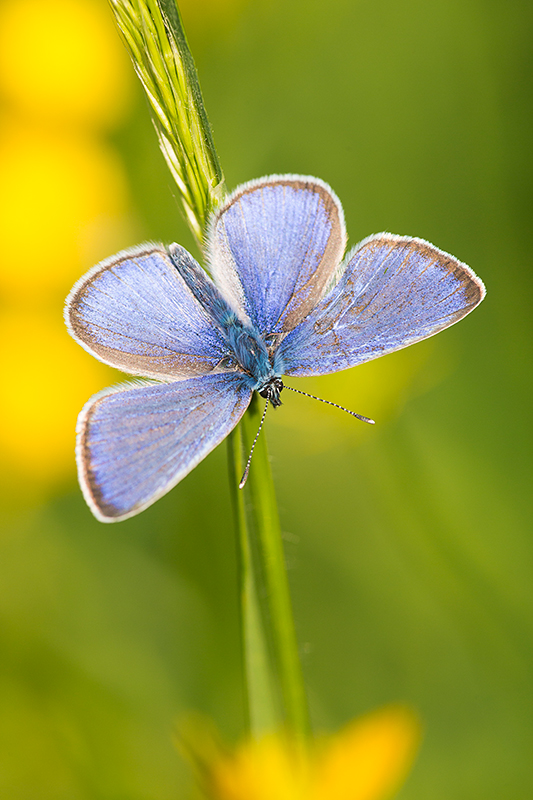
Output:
x=135 y=442
x=274 y=247
x=394 y=292
x=136 y=313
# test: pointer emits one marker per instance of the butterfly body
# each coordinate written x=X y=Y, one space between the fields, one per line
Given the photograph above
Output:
x=247 y=349
x=280 y=301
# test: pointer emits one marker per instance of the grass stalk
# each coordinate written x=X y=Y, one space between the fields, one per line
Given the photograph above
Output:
x=153 y=33
x=154 y=36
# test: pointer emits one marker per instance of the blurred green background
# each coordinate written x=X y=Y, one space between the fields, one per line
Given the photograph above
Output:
x=409 y=544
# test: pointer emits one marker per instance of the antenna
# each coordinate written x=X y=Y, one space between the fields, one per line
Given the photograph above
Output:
x=247 y=470
x=329 y=403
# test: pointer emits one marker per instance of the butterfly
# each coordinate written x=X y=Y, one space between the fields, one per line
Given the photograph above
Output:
x=280 y=301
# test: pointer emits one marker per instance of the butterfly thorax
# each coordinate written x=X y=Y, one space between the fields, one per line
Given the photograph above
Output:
x=253 y=359
x=249 y=352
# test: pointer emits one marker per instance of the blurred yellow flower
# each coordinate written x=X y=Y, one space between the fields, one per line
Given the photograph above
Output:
x=47 y=380
x=61 y=60
x=58 y=195
x=64 y=76
x=366 y=760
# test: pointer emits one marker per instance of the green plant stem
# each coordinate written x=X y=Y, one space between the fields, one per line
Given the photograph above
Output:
x=153 y=34
x=262 y=704
x=258 y=512
x=171 y=11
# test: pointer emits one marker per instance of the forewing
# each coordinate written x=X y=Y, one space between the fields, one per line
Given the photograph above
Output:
x=134 y=443
x=136 y=313
x=394 y=292
x=275 y=246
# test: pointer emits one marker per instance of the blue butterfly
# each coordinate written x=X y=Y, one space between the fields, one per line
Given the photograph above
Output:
x=280 y=302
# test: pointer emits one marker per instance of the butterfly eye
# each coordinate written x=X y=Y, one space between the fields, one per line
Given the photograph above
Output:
x=228 y=362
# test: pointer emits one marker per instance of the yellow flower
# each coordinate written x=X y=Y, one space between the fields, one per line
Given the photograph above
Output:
x=367 y=760
x=61 y=61
x=64 y=79
x=38 y=419
x=62 y=199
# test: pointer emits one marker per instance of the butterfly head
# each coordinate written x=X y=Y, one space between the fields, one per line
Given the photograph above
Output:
x=271 y=390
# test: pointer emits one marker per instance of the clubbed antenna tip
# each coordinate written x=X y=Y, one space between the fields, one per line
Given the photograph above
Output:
x=329 y=403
